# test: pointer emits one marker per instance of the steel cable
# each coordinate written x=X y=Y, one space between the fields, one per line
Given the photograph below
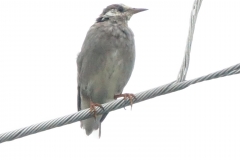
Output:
x=117 y=104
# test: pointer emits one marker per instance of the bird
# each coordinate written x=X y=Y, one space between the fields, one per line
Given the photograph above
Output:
x=105 y=62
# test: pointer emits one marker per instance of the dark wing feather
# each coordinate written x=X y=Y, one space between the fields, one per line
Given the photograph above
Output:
x=78 y=99
x=103 y=117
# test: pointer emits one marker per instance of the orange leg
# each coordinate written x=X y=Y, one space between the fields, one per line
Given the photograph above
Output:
x=130 y=96
x=93 y=108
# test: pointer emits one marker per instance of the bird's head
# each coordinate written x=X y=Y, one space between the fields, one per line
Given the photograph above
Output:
x=118 y=11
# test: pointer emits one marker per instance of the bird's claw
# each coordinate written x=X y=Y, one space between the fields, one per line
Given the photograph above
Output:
x=93 y=108
x=126 y=96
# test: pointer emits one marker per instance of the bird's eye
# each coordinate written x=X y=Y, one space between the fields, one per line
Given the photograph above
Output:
x=120 y=9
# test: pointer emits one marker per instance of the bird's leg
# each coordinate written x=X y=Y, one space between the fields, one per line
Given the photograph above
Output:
x=93 y=108
x=130 y=96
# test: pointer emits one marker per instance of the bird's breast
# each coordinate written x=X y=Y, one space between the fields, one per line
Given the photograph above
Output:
x=105 y=83
x=109 y=64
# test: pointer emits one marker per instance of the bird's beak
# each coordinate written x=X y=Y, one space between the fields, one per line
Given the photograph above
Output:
x=137 y=10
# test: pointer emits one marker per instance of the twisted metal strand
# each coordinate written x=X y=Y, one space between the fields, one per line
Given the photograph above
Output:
x=184 y=68
x=117 y=104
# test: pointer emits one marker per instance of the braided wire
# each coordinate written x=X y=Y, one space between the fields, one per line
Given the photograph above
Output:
x=184 y=68
x=142 y=96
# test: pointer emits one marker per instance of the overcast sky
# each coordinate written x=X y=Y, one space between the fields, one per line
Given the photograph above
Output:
x=39 y=43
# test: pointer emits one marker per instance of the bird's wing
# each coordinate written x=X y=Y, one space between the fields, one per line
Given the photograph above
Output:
x=78 y=99
x=79 y=105
x=79 y=66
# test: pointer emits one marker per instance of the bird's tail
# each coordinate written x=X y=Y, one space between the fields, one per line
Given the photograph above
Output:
x=100 y=130
x=89 y=124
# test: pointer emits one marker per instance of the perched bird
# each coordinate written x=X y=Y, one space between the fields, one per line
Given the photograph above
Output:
x=105 y=62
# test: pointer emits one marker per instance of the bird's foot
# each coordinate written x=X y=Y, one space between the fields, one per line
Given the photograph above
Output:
x=93 y=108
x=126 y=96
